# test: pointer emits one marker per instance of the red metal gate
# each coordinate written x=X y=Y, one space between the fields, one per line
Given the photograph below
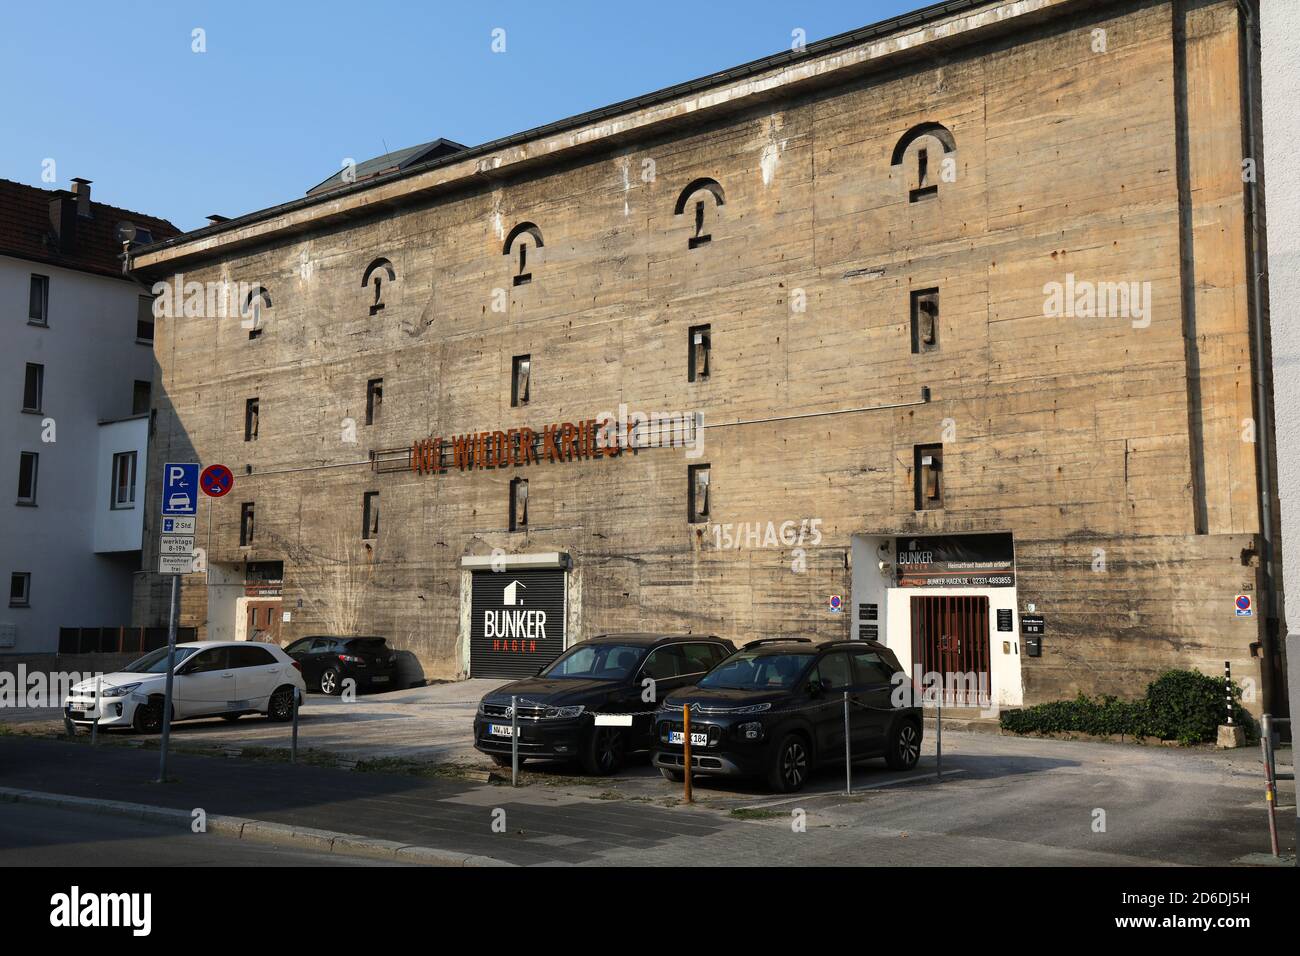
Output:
x=950 y=636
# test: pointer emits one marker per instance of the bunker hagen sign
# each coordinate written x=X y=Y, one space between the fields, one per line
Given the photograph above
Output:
x=957 y=560
x=516 y=621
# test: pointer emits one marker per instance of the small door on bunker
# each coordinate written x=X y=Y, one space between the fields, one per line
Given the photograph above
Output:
x=950 y=637
x=263 y=621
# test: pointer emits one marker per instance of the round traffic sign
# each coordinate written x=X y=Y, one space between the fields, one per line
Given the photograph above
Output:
x=216 y=480
x=1243 y=602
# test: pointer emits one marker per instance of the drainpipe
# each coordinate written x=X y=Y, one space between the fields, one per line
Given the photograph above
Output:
x=1262 y=433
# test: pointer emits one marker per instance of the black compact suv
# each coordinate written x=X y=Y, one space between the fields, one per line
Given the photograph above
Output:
x=328 y=661
x=606 y=675
x=775 y=709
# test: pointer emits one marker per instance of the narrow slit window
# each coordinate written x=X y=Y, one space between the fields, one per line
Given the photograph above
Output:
x=698 y=494
x=519 y=504
x=698 y=361
x=928 y=472
x=251 y=410
x=247 y=516
x=523 y=275
x=370 y=515
x=521 y=380
x=925 y=321
x=141 y=393
x=144 y=320
x=374 y=400
x=924 y=188
x=700 y=236
x=20 y=589
x=123 y=480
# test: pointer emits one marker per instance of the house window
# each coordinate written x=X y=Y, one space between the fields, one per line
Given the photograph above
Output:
x=246 y=524
x=925 y=321
x=370 y=515
x=928 y=476
x=519 y=504
x=697 y=507
x=144 y=319
x=140 y=397
x=520 y=380
x=250 y=419
x=28 y=462
x=20 y=589
x=123 y=490
x=38 y=302
x=374 y=400
x=698 y=357
x=33 y=387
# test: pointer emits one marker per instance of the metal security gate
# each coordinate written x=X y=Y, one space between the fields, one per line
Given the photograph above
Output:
x=950 y=636
x=516 y=621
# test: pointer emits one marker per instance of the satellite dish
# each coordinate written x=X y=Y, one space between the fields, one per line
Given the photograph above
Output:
x=125 y=231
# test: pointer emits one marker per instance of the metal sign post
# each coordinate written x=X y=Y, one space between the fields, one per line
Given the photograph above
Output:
x=514 y=741
x=180 y=500
x=171 y=665
x=686 y=749
x=848 y=765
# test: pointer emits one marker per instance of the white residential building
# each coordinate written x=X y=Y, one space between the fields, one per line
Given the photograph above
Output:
x=76 y=383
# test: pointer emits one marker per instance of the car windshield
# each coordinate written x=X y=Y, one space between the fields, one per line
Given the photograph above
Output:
x=155 y=662
x=753 y=671
x=601 y=661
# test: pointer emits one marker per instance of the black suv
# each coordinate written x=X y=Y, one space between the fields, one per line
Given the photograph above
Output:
x=775 y=709
x=328 y=661
x=605 y=675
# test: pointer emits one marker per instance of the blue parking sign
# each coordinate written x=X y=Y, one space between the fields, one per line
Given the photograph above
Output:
x=180 y=489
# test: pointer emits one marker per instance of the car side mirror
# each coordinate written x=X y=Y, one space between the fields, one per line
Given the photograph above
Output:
x=818 y=687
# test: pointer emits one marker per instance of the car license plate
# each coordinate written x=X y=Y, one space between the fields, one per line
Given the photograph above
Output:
x=379 y=678
x=499 y=730
x=697 y=740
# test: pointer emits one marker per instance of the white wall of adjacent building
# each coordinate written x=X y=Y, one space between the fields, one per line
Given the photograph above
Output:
x=81 y=554
x=1280 y=71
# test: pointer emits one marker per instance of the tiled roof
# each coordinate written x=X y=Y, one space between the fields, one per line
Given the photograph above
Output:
x=27 y=233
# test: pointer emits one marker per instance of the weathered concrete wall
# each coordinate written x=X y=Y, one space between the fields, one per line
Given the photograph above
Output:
x=1076 y=434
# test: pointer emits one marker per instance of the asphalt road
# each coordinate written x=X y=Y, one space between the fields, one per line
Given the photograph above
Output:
x=47 y=836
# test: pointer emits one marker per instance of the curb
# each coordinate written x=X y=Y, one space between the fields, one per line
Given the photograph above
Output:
x=243 y=828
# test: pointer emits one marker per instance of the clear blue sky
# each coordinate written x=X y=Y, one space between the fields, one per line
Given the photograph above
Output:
x=112 y=92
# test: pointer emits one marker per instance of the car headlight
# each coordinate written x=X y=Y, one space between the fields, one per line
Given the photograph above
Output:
x=753 y=709
x=563 y=712
x=122 y=690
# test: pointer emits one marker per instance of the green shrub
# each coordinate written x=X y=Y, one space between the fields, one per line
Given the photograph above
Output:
x=1186 y=706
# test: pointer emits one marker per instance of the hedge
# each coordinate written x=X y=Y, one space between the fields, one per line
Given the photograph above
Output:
x=1186 y=706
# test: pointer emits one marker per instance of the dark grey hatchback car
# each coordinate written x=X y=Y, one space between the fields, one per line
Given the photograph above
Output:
x=609 y=674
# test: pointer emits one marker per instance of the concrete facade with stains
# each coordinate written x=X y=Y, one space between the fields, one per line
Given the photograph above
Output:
x=1091 y=143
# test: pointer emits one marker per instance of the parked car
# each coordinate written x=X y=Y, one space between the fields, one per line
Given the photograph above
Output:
x=210 y=679
x=605 y=675
x=775 y=709
x=329 y=661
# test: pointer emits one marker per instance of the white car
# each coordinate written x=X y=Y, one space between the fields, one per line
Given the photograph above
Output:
x=211 y=679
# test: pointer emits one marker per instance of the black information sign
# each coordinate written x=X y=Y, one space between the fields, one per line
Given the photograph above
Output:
x=956 y=560
x=868 y=632
x=1032 y=624
x=1004 y=619
x=867 y=612
x=516 y=622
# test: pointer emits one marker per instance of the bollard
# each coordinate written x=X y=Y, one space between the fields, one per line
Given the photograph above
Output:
x=848 y=763
x=1270 y=785
x=686 y=749
x=1227 y=687
x=99 y=709
x=293 y=746
x=938 y=737
x=514 y=741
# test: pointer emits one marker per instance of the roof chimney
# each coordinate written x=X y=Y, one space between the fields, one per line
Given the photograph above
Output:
x=81 y=189
x=63 y=221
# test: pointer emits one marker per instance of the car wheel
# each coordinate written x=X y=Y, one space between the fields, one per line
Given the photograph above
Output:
x=148 y=718
x=904 y=746
x=790 y=765
x=329 y=681
x=676 y=776
x=603 y=752
x=231 y=717
x=503 y=760
x=280 y=706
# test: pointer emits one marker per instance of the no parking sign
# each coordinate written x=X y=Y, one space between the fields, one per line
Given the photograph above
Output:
x=1243 y=606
